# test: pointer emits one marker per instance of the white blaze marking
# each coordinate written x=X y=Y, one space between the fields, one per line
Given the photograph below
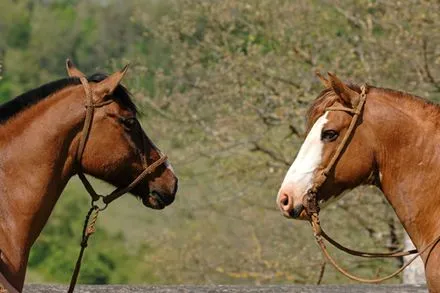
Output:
x=168 y=165
x=299 y=177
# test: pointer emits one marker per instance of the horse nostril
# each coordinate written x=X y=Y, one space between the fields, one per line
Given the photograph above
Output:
x=285 y=202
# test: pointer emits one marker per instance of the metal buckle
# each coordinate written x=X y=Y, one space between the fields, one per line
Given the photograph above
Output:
x=99 y=203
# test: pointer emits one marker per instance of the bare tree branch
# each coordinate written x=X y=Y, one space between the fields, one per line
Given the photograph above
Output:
x=429 y=75
x=274 y=156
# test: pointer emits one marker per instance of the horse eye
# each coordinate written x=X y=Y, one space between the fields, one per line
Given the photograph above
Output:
x=329 y=135
x=128 y=122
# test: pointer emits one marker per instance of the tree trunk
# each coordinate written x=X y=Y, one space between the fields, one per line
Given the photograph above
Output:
x=415 y=273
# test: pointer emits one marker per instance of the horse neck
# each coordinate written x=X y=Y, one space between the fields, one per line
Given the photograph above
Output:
x=408 y=159
x=35 y=167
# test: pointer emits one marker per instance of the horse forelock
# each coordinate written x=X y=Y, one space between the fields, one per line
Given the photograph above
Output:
x=325 y=99
x=121 y=93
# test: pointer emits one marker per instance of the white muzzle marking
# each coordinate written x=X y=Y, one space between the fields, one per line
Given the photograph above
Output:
x=299 y=177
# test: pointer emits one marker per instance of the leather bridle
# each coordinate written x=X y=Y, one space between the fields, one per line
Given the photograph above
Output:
x=310 y=201
x=89 y=226
x=311 y=204
x=118 y=192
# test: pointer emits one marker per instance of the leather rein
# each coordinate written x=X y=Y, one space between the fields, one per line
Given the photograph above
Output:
x=89 y=225
x=311 y=204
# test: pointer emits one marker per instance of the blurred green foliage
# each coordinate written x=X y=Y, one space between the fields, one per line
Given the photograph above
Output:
x=106 y=261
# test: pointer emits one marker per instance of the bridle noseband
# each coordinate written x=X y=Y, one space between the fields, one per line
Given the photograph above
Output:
x=311 y=205
x=89 y=225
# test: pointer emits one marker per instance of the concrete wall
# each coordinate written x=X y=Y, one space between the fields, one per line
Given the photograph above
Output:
x=229 y=289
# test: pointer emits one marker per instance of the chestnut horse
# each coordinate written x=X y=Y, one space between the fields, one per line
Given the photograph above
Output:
x=40 y=133
x=394 y=145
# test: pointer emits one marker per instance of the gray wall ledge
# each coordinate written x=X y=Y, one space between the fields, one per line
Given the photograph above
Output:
x=34 y=288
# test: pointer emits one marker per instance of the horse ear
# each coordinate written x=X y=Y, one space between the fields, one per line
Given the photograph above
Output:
x=347 y=94
x=108 y=85
x=72 y=71
x=324 y=81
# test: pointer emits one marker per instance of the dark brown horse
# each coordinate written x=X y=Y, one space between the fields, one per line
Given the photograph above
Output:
x=39 y=136
x=394 y=146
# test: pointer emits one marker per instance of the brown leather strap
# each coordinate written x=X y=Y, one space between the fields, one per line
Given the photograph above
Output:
x=119 y=192
x=318 y=233
x=88 y=230
x=345 y=109
x=90 y=110
x=148 y=169
x=351 y=127
x=397 y=253
x=88 y=120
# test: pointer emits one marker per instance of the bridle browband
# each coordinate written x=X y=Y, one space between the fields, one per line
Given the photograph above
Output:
x=311 y=204
x=89 y=228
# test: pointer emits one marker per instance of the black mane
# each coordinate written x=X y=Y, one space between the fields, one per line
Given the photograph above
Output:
x=32 y=97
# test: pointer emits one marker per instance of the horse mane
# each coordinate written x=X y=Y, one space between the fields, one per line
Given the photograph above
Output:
x=17 y=105
x=328 y=97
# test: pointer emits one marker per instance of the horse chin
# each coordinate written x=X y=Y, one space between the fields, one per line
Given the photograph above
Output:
x=154 y=201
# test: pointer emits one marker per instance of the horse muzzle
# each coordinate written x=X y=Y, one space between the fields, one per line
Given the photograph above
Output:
x=289 y=209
